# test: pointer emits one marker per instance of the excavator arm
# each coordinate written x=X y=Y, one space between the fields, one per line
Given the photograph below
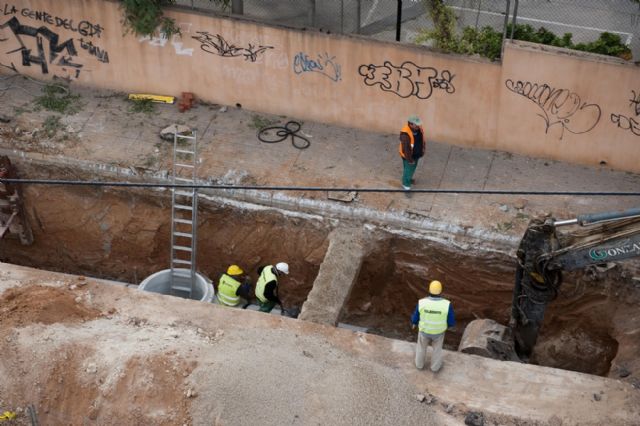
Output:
x=545 y=252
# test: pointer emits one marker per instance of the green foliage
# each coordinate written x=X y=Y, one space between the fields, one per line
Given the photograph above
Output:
x=146 y=18
x=58 y=98
x=606 y=44
x=143 y=105
x=52 y=125
x=258 y=122
x=488 y=42
x=444 y=33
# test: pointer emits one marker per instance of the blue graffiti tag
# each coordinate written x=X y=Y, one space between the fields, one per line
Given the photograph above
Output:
x=324 y=65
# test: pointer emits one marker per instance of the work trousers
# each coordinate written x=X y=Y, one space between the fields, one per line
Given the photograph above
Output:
x=267 y=306
x=436 y=341
x=408 y=170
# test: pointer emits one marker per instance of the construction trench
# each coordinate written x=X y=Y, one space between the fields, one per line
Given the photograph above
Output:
x=342 y=271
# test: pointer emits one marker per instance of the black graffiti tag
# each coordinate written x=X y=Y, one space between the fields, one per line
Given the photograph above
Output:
x=626 y=123
x=102 y=55
x=635 y=102
x=65 y=50
x=559 y=106
x=408 y=79
x=217 y=45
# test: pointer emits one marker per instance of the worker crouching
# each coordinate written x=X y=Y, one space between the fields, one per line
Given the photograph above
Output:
x=233 y=288
x=267 y=285
x=433 y=315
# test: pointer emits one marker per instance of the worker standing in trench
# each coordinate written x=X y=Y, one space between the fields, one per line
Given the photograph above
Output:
x=433 y=316
x=267 y=286
x=234 y=289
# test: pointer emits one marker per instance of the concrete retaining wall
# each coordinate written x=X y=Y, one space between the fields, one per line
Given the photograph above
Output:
x=540 y=101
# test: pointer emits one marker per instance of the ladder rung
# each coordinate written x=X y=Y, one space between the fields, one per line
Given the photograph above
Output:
x=184 y=151
x=181 y=262
x=181 y=288
x=183 y=179
x=183 y=207
x=185 y=137
x=182 y=248
x=180 y=274
x=185 y=194
x=185 y=221
x=185 y=165
x=182 y=234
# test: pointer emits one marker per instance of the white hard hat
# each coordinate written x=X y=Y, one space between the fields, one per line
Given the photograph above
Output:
x=283 y=267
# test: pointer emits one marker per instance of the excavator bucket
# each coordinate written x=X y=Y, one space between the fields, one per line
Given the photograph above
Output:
x=488 y=339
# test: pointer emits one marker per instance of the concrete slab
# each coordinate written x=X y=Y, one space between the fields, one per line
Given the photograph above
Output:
x=336 y=277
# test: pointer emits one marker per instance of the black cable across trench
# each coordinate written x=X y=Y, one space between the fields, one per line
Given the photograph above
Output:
x=313 y=188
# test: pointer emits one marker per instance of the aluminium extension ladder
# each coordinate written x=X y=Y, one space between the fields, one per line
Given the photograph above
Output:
x=184 y=215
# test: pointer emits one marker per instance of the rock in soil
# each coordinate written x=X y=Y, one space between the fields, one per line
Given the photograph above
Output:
x=474 y=418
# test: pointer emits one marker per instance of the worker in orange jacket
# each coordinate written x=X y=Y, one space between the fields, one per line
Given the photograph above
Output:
x=412 y=147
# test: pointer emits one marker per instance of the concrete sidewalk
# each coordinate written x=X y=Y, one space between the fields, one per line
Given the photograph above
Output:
x=105 y=132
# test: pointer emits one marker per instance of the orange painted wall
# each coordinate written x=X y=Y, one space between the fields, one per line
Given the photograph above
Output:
x=363 y=83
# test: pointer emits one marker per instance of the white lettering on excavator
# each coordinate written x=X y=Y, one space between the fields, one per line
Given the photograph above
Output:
x=601 y=254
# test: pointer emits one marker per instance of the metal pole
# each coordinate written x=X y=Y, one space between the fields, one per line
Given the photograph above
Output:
x=341 y=16
x=515 y=16
x=399 y=20
x=478 y=14
x=359 y=10
x=312 y=13
x=504 y=30
x=237 y=7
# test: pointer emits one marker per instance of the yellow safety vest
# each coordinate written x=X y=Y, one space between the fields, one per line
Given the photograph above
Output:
x=227 y=288
x=266 y=276
x=433 y=315
x=406 y=129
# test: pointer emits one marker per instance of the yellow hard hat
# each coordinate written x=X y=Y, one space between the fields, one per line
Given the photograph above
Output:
x=234 y=270
x=435 y=287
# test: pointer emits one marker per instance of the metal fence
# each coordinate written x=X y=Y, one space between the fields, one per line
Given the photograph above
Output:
x=403 y=20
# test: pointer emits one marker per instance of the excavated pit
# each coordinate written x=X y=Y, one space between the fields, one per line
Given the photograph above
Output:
x=580 y=332
x=123 y=235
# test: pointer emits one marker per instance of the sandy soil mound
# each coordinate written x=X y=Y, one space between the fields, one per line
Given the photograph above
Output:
x=40 y=304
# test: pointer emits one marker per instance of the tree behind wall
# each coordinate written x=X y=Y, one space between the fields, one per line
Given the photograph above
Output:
x=145 y=17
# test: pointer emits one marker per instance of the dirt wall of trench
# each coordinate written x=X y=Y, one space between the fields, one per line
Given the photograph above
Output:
x=124 y=235
x=592 y=327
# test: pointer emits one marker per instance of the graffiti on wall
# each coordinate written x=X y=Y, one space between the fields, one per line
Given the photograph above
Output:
x=162 y=40
x=627 y=122
x=100 y=54
x=323 y=64
x=43 y=47
x=560 y=107
x=408 y=79
x=217 y=45
x=84 y=28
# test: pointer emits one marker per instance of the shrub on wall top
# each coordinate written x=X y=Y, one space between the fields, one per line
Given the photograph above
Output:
x=145 y=17
x=488 y=42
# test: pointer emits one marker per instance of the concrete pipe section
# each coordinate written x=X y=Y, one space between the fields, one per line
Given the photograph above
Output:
x=160 y=282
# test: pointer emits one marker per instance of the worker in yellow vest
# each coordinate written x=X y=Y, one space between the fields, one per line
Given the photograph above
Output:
x=433 y=316
x=233 y=288
x=412 y=147
x=267 y=285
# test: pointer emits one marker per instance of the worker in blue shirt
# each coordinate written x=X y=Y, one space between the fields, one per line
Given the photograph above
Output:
x=433 y=316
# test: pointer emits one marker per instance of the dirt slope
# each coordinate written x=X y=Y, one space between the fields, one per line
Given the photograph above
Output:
x=89 y=352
